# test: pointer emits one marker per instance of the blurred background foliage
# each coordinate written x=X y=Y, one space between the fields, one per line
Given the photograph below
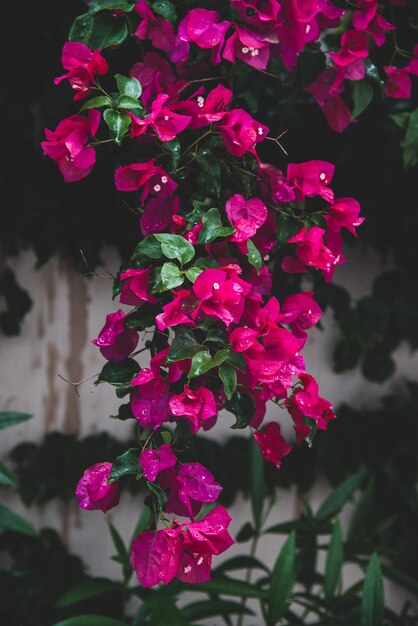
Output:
x=376 y=163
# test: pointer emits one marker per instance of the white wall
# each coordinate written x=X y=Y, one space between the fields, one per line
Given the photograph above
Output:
x=69 y=311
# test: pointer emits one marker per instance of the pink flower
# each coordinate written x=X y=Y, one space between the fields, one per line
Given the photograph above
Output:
x=272 y=444
x=82 y=65
x=151 y=178
x=246 y=216
x=165 y=123
x=156 y=76
x=311 y=251
x=220 y=293
x=189 y=488
x=197 y=406
x=241 y=132
x=256 y=13
x=273 y=185
x=301 y=311
x=345 y=213
x=181 y=551
x=354 y=45
x=67 y=145
x=116 y=342
x=204 y=111
x=149 y=401
x=161 y=33
x=399 y=83
x=249 y=47
x=158 y=214
x=135 y=289
x=210 y=534
x=242 y=338
x=93 y=493
x=311 y=179
x=327 y=95
x=203 y=28
x=305 y=401
x=155 y=461
x=176 y=312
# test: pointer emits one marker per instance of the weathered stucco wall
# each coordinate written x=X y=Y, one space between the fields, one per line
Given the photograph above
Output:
x=68 y=311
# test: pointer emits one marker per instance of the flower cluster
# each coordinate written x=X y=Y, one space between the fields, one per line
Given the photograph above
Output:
x=199 y=282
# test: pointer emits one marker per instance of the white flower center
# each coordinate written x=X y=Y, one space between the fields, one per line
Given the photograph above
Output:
x=187 y=569
x=323 y=176
x=166 y=118
x=200 y=561
x=157 y=188
x=307 y=29
x=164 y=179
x=260 y=130
x=216 y=285
x=254 y=53
x=201 y=102
x=245 y=50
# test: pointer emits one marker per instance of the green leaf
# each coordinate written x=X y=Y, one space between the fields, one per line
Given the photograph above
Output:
x=243 y=407
x=96 y=103
x=82 y=28
x=203 y=361
x=256 y=482
x=129 y=86
x=90 y=620
x=118 y=124
x=166 y=9
x=229 y=587
x=410 y=141
x=401 y=119
x=88 y=588
x=237 y=360
x=174 y=146
x=213 y=608
x=362 y=96
x=183 y=346
x=334 y=561
x=171 y=277
x=241 y=563
x=6 y=477
x=107 y=30
x=118 y=374
x=362 y=510
x=211 y=167
x=287 y=226
x=126 y=463
x=282 y=580
x=254 y=257
x=122 y=553
x=148 y=247
x=228 y=376
x=10 y=418
x=111 y=5
x=213 y=228
x=339 y=497
x=176 y=247
x=12 y=521
x=193 y=272
x=372 y=605
x=245 y=533
x=126 y=102
x=143 y=523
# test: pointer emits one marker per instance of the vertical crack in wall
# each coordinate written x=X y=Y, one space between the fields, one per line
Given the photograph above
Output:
x=78 y=308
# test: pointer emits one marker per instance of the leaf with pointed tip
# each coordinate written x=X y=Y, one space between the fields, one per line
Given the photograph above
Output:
x=96 y=103
x=9 y=520
x=118 y=124
x=372 y=605
x=334 y=562
x=282 y=580
x=129 y=86
x=6 y=477
x=11 y=418
x=126 y=463
x=176 y=247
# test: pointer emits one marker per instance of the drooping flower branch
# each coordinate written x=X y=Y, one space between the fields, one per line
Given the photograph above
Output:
x=213 y=220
